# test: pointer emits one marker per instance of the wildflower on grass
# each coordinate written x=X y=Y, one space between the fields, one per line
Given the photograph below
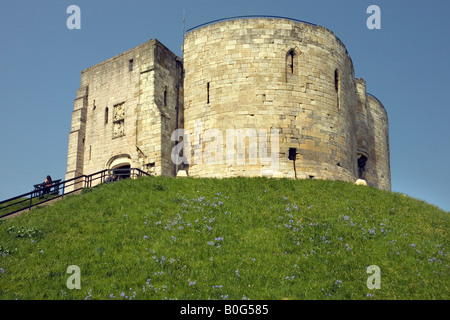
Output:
x=412 y=245
x=211 y=259
x=310 y=207
x=89 y=295
x=111 y=296
x=2 y=270
x=145 y=237
x=174 y=238
x=191 y=283
x=237 y=272
x=211 y=243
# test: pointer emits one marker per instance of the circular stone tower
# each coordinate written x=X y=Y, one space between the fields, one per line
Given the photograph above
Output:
x=261 y=92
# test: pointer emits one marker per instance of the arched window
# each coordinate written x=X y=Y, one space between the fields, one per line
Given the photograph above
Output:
x=290 y=61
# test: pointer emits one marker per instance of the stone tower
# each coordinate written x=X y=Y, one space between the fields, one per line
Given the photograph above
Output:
x=125 y=111
x=255 y=75
x=296 y=77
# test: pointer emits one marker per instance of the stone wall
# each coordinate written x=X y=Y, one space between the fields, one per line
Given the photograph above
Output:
x=258 y=75
x=268 y=74
x=124 y=110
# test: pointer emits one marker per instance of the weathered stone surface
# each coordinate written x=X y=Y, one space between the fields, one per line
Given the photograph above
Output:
x=295 y=77
x=250 y=74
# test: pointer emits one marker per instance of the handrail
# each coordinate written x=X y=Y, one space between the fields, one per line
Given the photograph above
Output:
x=60 y=188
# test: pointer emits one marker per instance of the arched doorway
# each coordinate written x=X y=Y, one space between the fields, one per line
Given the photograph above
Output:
x=119 y=166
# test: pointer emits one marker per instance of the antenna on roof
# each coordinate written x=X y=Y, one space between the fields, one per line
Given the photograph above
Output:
x=184 y=21
x=183 y=30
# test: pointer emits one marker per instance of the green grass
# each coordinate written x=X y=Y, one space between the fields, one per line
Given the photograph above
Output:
x=237 y=238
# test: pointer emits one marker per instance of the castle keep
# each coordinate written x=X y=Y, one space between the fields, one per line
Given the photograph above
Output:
x=261 y=74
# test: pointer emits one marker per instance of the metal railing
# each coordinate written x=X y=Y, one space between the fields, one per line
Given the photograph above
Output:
x=60 y=188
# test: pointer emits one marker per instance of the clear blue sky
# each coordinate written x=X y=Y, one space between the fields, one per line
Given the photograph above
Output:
x=405 y=64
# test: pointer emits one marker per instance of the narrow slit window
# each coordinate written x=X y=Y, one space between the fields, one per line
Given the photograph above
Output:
x=106 y=115
x=130 y=65
x=290 y=61
x=336 y=80
x=165 y=96
x=207 y=92
x=336 y=87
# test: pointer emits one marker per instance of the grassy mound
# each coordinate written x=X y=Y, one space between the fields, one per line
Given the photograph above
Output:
x=237 y=238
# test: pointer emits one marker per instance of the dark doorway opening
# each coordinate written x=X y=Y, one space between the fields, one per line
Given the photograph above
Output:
x=362 y=160
x=122 y=172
